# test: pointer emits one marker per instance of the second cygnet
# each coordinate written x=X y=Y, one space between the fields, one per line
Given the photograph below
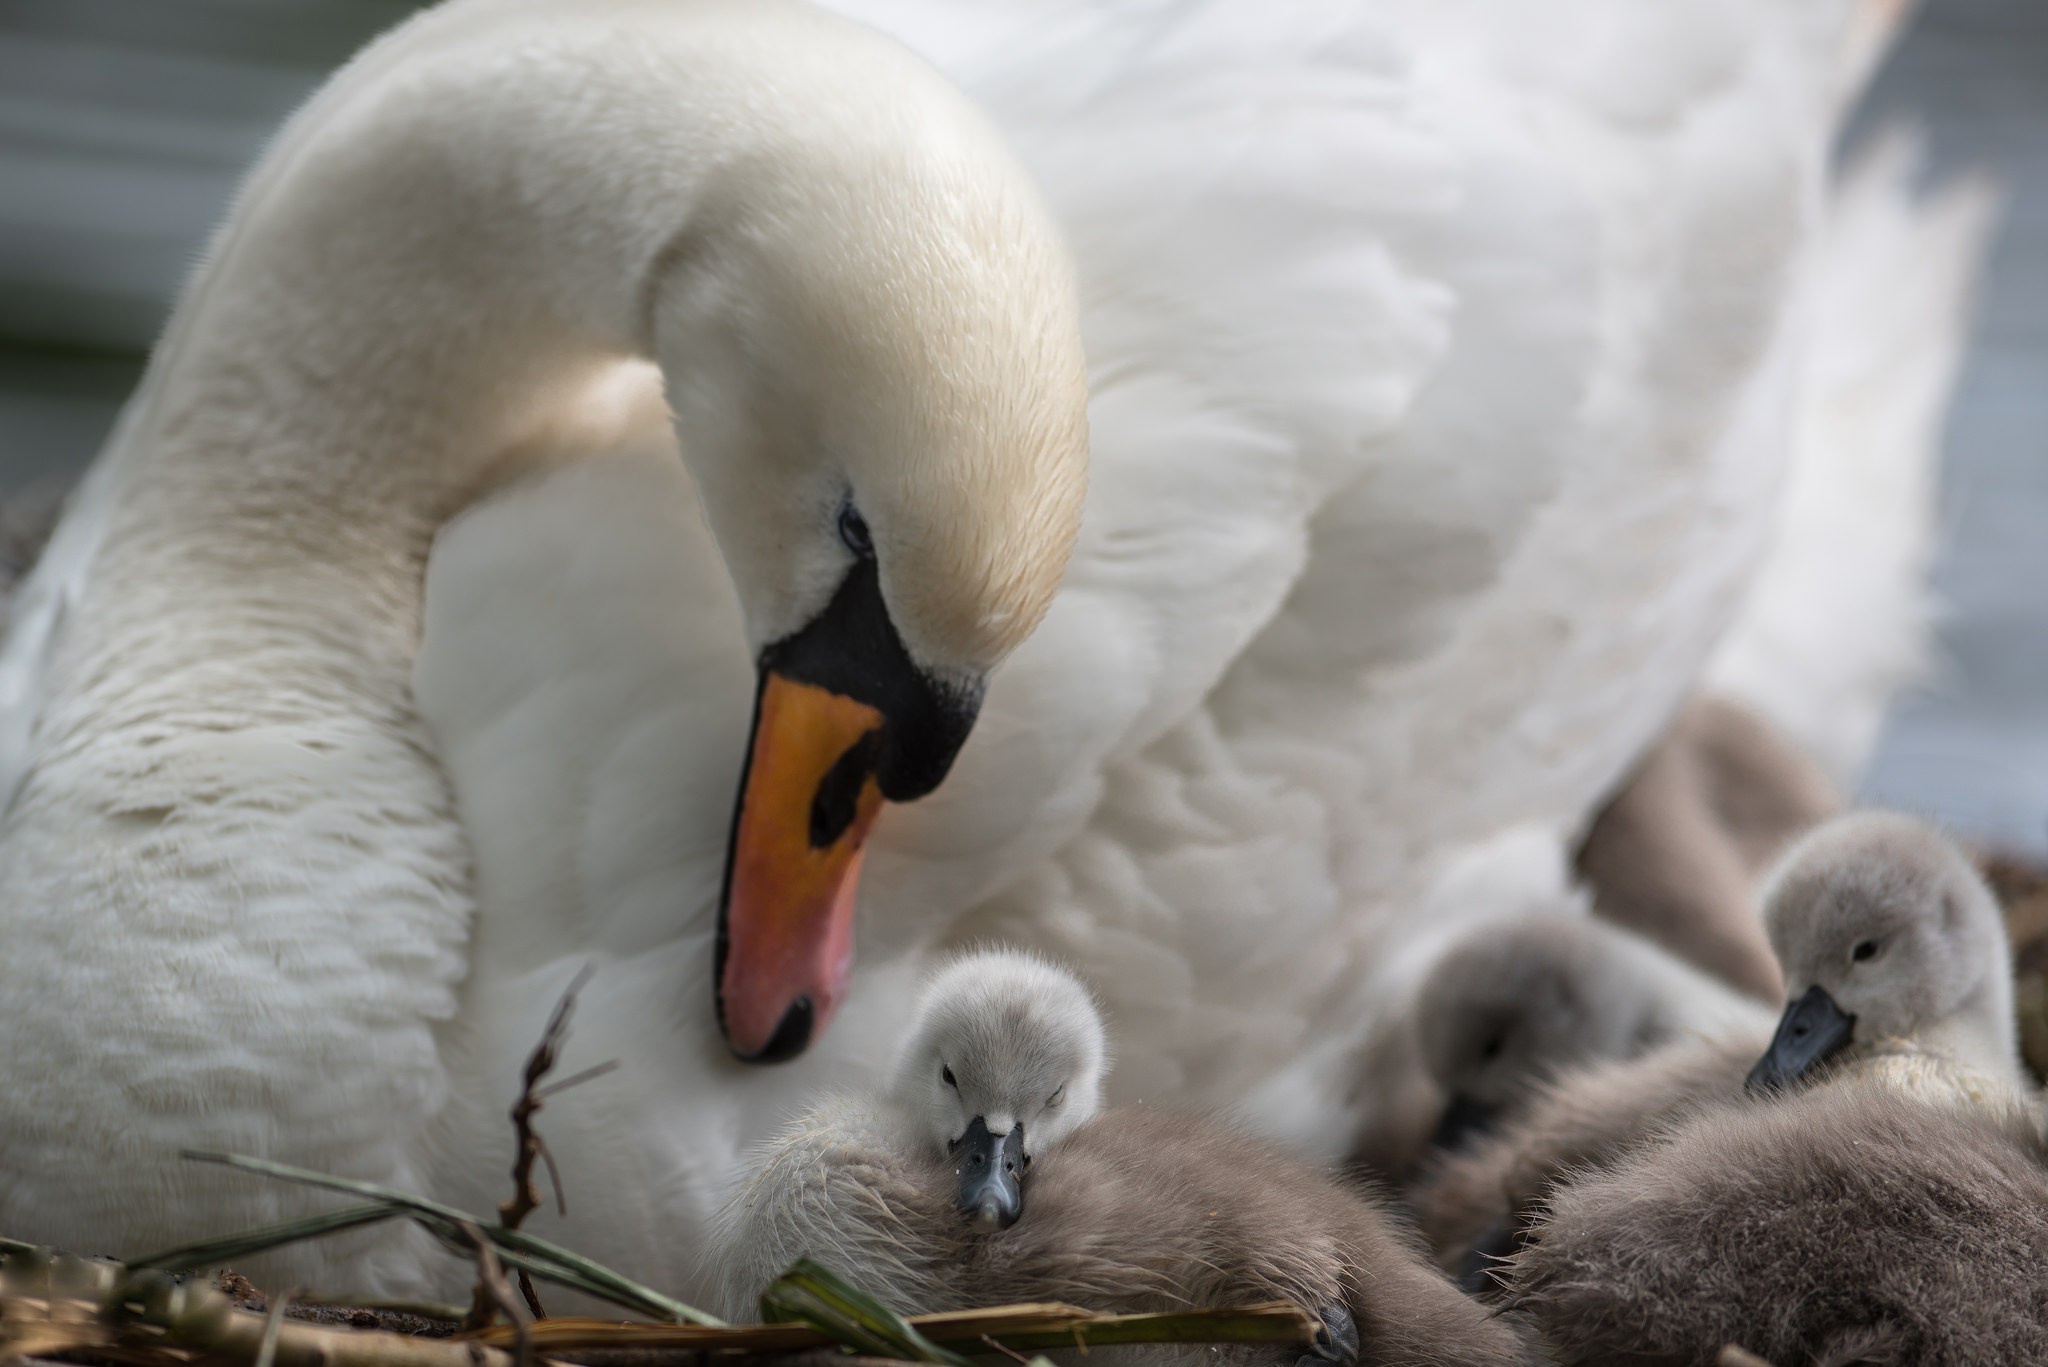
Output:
x=1512 y=1006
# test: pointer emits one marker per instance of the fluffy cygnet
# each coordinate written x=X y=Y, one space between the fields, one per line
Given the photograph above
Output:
x=1511 y=1006
x=1898 y=977
x=1895 y=958
x=984 y=1175
x=1676 y=854
x=1473 y=1205
x=1837 y=1226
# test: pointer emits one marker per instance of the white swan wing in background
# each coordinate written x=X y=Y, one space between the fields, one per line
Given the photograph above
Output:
x=1469 y=330
x=1838 y=620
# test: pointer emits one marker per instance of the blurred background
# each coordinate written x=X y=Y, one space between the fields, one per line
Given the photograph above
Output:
x=124 y=125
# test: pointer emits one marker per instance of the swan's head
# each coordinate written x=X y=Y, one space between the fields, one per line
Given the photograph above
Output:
x=1006 y=1058
x=871 y=341
x=1884 y=929
x=1512 y=1005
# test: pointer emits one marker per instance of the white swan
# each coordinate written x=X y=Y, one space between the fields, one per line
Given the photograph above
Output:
x=1435 y=352
x=1837 y=622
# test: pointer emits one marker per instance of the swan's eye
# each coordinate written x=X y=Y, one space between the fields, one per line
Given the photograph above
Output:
x=1059 y=1094
x=853 y=530
x=1865 y=951
x=1490 y=1050
x=946 y=1076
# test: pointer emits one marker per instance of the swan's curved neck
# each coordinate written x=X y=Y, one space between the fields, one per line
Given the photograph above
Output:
x=1982 y=1032
x=493 y=200
x=469 y=216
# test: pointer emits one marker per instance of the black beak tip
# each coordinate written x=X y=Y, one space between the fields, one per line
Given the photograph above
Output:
x=1764 y=1078
x=1813 y=1030
x=993 y=1212
x=792 y=1036
x=1464 y=1121
x=1479 y=1270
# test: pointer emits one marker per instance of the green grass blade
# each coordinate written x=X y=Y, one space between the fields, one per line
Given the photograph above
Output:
x=536 y=1256
x=812 y=1294
x=307 y=1178
x=233 y=1247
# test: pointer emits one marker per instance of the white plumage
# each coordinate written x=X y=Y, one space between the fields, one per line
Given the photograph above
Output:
x=1439 y=359
x=1838 y=620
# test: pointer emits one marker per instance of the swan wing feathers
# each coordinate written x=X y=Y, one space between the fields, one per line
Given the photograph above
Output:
x=1281 y=230
x=1837 y=621
x=1441 y=357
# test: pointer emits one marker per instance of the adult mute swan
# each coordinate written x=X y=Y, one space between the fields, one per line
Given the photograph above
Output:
x=1437 y=357
x=238 y=884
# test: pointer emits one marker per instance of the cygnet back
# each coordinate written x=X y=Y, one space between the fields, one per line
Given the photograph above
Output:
x=1833 y=1226
x=1472 y=1206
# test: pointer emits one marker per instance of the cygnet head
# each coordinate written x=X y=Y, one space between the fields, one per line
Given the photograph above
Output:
x=1513 y=1004
x=872 y=343
x=1885 y=930
x=1006 y=1058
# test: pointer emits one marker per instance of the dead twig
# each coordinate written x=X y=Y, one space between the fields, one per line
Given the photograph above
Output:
x=1010 y=1353
x=494 y=1296
x=529 y=1147
x=273 y=1322
x=56 y=1304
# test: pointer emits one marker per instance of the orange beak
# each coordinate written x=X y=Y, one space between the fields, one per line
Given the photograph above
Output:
x=807 y=801
x=844 y=720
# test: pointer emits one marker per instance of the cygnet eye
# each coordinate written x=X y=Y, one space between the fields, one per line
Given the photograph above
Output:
x=853 y=530
x=1059 y=1094
x=1490 y=1050
x=1865 y=951
x=946 y=1076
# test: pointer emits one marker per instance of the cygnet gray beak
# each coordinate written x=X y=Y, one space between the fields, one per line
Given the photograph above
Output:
x=991 y=1171
x=1812 y=1030
x=1464 y=1120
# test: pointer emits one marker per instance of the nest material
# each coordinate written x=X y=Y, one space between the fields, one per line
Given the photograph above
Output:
x=56 y=1308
